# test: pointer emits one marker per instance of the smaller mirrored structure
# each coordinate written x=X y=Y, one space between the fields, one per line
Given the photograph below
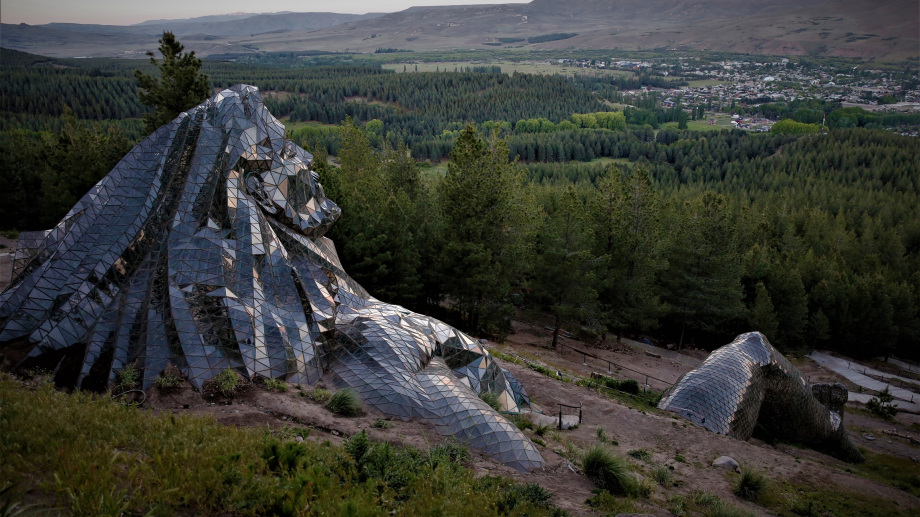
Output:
x=204 y=249
x=746 y=383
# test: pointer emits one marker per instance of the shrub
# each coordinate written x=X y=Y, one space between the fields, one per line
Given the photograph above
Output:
x=609 y=471
x=167 y=382
x=344 y=402
x=630 y=386
x=527 y=493
x=751 y=484
x=275 y=385
x=540 y=430
x=227 y=382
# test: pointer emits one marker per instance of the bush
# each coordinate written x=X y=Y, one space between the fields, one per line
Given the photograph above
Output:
x=344 y=402
x=630 y=386
x=540 y=430
x=275 y=385
x=609 y=471
x=751 y=484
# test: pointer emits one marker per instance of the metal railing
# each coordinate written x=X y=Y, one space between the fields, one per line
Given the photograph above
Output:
x=561 y=405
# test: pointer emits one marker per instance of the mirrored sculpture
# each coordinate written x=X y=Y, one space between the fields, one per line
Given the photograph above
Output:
x=746 y=383
x=204 y=248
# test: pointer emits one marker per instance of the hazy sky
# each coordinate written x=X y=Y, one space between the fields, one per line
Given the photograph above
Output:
x=126 y=12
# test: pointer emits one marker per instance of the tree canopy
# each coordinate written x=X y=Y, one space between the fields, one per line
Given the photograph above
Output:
x=181 y=85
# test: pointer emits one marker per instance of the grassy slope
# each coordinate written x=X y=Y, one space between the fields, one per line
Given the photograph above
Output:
x=90 y=456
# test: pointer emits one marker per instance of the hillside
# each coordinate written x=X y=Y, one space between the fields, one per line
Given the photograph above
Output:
x=786 y=27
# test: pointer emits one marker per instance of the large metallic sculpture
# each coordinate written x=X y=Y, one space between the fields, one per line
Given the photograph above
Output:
x=204 y=248
x=748 y=382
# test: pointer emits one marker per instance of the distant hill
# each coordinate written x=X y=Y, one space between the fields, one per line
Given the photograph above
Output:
x=887 y=30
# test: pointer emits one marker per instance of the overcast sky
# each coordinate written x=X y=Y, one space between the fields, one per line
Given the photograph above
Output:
x=126 y=12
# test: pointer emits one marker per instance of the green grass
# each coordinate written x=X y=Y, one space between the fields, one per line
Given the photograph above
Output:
x=609 y=471
x=83 y=455
x=704 y=504
x=891 y=470
x=226 y=383
x=128 y=378
x=318 y=395
x=344 y=402
x=661 y=475
x=750 y=485
x=275 y=385
x=491 y=399
x=382 y=424
x=167 y=383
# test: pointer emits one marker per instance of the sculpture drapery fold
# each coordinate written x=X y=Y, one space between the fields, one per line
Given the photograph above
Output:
x=204 y=248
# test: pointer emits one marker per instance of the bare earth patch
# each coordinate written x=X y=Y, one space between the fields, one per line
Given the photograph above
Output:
x=685 y=449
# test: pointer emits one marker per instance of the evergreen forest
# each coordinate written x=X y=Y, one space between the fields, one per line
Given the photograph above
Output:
x=476 y=195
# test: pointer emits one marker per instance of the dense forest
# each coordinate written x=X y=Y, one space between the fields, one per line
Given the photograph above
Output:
x=551 y=200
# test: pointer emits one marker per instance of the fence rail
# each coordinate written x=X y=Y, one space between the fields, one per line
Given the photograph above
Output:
x=609 y=363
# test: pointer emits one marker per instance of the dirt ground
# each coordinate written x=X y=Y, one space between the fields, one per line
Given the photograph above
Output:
x=7 y=247
x=672 y=441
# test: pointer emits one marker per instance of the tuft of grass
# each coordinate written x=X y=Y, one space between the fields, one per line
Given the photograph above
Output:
x=227 y=383
x=167 y=382
x=344 y=402
x=750 y=485
x=541 y=430
x=539 y=442
x=609 y=471
x=601 y=434
x=521 y=422
x=661 y=475
x=491 y=399
x=320 y=395
x=381 y=424
x=275 y=385
x=640 y=454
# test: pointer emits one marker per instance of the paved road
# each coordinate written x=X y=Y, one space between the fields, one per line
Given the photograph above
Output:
x=840 y=366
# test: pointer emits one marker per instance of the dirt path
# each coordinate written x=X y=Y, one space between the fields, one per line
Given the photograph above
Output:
x=907 y=400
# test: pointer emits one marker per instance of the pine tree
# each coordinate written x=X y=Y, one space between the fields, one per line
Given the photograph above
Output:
x=488 y=226
x=564 y=268
x=180 y=87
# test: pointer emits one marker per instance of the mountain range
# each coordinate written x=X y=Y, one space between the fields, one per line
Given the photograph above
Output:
x=888 y=30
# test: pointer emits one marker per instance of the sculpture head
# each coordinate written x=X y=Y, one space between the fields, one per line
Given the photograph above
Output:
x=276 y=172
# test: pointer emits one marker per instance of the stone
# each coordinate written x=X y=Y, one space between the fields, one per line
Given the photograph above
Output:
x=726 y=462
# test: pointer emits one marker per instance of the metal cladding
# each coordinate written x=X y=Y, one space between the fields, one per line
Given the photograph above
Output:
x=204 y=248
x=748 y=382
